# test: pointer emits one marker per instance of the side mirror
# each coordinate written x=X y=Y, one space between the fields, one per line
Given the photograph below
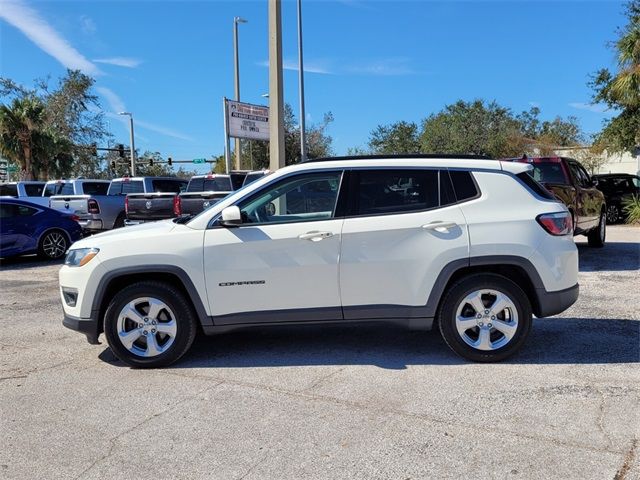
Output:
x=231 y=217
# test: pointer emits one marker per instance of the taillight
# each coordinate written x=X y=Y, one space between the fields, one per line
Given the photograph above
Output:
x=92 y=206
x=126 y=205
x=556 y=223
x=177 y=206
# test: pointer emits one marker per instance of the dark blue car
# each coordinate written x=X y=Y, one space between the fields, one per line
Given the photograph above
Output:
x=29 y=228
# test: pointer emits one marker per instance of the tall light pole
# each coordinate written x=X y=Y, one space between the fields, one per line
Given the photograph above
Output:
x=236 y=21
x=132 y=145
x=303 y=143
x=276 y=103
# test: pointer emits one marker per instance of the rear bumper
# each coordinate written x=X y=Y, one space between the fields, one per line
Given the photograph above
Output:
x=553 y=303
x=88 y=326
x=91 y=224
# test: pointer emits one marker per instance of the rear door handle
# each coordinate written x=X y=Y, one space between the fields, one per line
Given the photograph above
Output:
x=315 y=236
x=440 y=226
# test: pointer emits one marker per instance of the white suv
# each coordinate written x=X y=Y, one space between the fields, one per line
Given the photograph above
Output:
x=476 y=245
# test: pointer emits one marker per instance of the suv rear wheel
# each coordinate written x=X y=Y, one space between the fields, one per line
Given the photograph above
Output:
x=485 y=317
x=149 y=324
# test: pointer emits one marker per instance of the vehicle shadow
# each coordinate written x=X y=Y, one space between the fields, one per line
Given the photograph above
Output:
x=614 y=256
x=552 y=341
x=26 y=261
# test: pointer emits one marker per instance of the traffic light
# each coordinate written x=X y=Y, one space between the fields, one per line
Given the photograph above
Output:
x=169 y=161
x=120 y=150
x=113 y=164
x=151 y=162
x=94 y=149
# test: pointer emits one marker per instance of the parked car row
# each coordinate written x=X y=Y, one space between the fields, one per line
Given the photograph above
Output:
x=98 y=205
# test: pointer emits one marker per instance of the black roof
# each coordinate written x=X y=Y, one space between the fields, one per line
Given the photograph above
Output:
x=401 y=156
x=614 y=175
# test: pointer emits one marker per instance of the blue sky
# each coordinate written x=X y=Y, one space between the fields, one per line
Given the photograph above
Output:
x=368 y=62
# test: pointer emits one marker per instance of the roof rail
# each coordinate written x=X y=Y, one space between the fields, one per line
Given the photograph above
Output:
x=400 y=156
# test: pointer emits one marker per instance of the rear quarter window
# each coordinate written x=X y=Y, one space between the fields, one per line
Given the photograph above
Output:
x=534 y=186
x=464 y=185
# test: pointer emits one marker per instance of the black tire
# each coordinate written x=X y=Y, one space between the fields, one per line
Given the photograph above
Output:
x=183 y=313
x=53 y=245
x=453 y=299
x=597 y=236
x=119 y=223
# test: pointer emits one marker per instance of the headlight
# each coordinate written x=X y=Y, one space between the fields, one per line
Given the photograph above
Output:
x=80 y=256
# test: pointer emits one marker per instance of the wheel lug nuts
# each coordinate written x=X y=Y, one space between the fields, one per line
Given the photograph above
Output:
x=481 y=324
x=153 y=322
x=144 y=332
x=153 y=330
x=479 y=315
x=493 y=317
x=486 y=312
x=489 y=325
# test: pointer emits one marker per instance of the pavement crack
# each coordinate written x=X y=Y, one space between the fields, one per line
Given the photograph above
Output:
x=12 y=377
x=304 y=395
x=253 y=467
x=322 y=379
x=629 y=457
x=113 y=441
x=600 y=420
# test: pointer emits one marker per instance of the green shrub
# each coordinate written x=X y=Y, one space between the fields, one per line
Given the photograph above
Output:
x=631 y=207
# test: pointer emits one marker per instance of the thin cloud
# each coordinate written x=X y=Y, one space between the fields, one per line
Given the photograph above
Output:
x=36 y=29
x=87 y=25
x=119 y=61
x=117 y=105
x=385 y=67
x=589 y=107
x=309 y=67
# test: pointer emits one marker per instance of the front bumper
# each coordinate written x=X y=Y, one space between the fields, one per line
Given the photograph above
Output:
x=553 y=303
x=88 y=326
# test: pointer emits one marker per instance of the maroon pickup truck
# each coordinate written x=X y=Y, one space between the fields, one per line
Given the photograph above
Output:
x=571 y=184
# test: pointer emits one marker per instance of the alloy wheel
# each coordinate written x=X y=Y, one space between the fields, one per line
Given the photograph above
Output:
x=146 y=327
x=486 y=319
x=54 y=245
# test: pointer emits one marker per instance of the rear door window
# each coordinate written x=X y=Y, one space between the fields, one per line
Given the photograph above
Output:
x=382 y=191
x=463 y=185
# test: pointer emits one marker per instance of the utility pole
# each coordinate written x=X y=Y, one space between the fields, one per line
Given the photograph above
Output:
x=131 y=142
x=236 y=21
x=303 y=135
x=276 y=105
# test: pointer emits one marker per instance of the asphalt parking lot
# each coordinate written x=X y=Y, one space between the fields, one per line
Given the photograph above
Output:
x=330 y=402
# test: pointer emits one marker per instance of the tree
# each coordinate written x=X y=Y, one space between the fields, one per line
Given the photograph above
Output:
x=621 y=90
x=22 y=135
x=591 y=158
x=399 y=137
x=472 y=128
x=68 y=121
x=544 y=137
x=255 y=153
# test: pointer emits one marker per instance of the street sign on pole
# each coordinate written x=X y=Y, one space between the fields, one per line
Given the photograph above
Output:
x=199 y=160
x=246 y=120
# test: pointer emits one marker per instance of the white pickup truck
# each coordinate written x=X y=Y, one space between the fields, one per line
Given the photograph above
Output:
x=29 y=191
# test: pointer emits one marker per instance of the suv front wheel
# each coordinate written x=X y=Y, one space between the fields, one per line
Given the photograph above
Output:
x=149 y=324
x=485 y=317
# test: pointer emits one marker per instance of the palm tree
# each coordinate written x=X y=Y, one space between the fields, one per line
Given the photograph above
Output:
x=20 y=125
x=621 y=91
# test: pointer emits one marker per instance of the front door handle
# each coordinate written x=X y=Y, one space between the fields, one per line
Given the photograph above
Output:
x=440 y=226
x=315 y=236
